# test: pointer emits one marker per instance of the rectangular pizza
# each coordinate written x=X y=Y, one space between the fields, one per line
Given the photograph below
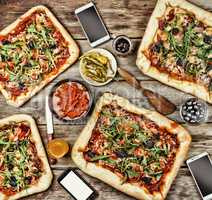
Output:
x=33 y=51
x=24 y=168
x=135 y=150
x=177 y=47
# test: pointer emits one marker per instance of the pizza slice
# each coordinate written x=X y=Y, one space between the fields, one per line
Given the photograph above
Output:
x=177 y=47
x=33 y=51
x=24 y=168
x=137 y=151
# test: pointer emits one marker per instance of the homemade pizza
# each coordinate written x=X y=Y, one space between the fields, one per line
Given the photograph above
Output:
x=177 y=47
x=24 y=168
x=137 y=151
x=33 y=51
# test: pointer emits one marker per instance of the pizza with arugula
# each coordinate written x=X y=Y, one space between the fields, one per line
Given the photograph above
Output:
x=137 y=151
x=177 y=47
x=33 y=51
x=24 y=168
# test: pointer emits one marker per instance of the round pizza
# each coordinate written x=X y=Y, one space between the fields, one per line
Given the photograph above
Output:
x=33 y=51
x=177 y=47
x=24 y=168
x=137 y=151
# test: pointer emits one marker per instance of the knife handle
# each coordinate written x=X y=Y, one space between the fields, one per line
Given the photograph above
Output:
x=50 y=137
x=52 y=160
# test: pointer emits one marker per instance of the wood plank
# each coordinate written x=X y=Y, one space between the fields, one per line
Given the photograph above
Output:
x=201 y=140
x=36 y=105
x=131 y=16
x=106 y=192
x=129 y=62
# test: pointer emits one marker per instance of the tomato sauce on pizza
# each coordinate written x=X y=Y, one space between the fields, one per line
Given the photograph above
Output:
x=31 y=53
x=132 y=146
x=20 y=165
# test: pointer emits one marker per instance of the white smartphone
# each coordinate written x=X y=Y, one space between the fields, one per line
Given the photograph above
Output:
x=92 y=24
x=76 y=186
x=200 y=167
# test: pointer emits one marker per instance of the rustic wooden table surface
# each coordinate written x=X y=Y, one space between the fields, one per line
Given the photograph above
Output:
x=128 y=17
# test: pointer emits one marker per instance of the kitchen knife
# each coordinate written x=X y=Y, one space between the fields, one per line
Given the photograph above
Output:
x=49 y=120
x=49 y=124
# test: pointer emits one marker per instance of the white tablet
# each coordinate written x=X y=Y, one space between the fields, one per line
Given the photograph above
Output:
x=92 y=24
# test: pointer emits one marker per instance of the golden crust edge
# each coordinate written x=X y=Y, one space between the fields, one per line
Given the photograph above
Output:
x=73 y=49
x=46 y=179
x=185 y=86
x=109 y=177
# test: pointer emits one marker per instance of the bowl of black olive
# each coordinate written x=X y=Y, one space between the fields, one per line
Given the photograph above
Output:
x=194 y=111
x=122 y=45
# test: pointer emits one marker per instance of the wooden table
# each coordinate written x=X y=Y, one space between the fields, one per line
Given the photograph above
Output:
x=128 y=17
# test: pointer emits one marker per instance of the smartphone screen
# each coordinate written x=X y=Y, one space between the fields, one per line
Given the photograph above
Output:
x=92 y=24
x=202 y=172
x=77 y=187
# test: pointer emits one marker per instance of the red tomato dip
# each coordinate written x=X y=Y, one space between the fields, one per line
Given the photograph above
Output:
x=71 y=100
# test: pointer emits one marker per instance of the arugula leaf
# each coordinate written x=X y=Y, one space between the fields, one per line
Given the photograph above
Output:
x=3 y=142
x=158 y=175
x=144 y=161
x=141 y=136
x=4 y=56
x=177 y=48
x=16 y=59
x=202 y=53
x=101 y=157
x=192 y=69
x=131 y=173
x=157 y=151
x=182 y=50
x=187 y=40
x=197 y=41
x=135 y=126
x=110 y=161
x=32 y=29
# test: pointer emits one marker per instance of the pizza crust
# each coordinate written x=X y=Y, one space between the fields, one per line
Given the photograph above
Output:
x=144 y=64
x=109 y=177
x=73 y=49
x=46 y=178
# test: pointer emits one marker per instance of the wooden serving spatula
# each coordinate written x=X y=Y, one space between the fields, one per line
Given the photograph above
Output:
x=160 y=103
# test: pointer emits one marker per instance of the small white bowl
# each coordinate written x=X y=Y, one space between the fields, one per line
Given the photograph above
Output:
x=113 y=64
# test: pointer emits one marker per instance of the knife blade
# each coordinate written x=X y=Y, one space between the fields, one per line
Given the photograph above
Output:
x=49 y=120
x=50 y=128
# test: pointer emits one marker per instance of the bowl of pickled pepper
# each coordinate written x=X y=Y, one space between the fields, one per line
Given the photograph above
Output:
x=98 y=67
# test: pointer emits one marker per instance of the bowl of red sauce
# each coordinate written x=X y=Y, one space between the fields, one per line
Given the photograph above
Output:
x=70 y=100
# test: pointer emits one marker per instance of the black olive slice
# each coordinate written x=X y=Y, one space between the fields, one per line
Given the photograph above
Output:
x=121 y=154
x=146 y=180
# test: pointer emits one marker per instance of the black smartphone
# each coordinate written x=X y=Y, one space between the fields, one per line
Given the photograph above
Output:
x=200 y=167
x=76 y=186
